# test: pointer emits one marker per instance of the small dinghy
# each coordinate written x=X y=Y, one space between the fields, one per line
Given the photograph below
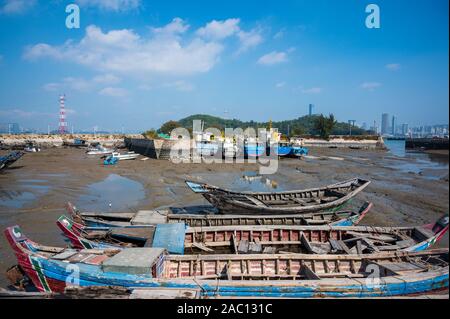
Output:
x=290 y=202
x=51 y=269
x=152 y=217
x=178 y=238
x=99 y=150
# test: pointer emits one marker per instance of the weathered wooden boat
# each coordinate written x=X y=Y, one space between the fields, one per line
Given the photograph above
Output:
x=289 y=202
x=9 y=159
x=178 y=238
x=276 y=275
x=152 y=217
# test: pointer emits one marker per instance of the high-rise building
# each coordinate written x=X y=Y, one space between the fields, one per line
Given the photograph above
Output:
x=384 y=123
x=311 y=106
x=10 y=128
x=393 y=125
x=405 y=129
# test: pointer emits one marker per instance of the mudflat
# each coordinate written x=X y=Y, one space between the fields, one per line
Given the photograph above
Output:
x=409 y=190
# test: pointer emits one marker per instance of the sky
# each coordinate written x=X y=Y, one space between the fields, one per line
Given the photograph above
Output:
x=134 y=64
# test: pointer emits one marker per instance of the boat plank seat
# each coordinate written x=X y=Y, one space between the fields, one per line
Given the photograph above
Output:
x=255 y=201
x=149 y=217
x=133 y=261
x=398 y=268
x=137 y=233
x=65 y=254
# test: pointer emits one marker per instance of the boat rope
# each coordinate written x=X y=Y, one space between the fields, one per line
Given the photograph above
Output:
x=200 y=286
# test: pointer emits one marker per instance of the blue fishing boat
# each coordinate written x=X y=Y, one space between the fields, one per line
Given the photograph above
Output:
x=283 y=149
x=299 y=151
x=254 y=150
x=52 y=269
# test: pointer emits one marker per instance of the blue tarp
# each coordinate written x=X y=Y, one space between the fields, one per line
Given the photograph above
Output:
x=170 y=237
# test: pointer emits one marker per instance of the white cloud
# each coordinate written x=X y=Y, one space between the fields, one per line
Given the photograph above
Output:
x=106 y=79
x=114 y=92
x=313 y=90
x=111 y=5
x=249 y=40
x=371 y=86
x=180 y=86
x=16 y=6
x=393 y=66
x=14 y=113
x=280 y=84
x=219 y=30
x=127 y=52
x=81 y=84
x=177 y=26
x=273 y=58
x=279 y=34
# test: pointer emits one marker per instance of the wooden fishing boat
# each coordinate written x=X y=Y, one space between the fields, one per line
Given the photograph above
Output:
x=9 y=159
x=178 y=238
x=152 y=217
x=51 y=269
x=289 y=202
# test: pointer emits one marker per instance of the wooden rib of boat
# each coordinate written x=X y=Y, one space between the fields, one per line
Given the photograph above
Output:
x=51 y=269
x=152 y=217
x=258 y=239
x=289 y=202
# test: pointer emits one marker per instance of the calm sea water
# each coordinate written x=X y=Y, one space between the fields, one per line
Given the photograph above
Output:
x=397 y=148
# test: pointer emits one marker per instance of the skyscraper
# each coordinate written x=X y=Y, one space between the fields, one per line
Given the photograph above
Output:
x=384 y=123
x=393 y=125
x=311 y=106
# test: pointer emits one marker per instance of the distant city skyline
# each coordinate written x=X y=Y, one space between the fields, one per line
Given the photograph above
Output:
x=137 y=64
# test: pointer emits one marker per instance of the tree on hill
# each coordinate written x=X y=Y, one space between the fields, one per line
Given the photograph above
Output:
x=305 y=125
x=324 y=125
x=169 y=126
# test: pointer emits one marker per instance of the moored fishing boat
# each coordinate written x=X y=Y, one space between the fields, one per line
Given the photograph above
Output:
x=9 y=159
x=152 y=217
x=52 y=269
x=178 y=238
x=288 y=202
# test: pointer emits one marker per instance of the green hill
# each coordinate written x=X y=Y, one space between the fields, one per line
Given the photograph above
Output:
x=301 y=126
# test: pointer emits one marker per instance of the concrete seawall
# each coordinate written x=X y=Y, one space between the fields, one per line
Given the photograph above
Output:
x=427 y=143
x=46 y=141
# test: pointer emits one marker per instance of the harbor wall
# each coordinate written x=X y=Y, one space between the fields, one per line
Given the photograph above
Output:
x=363 y=142
x=46 y=141
x=427 y=143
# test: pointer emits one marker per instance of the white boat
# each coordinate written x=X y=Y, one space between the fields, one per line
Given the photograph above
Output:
x=126 y=156
x=30 y=147
x=99 y=151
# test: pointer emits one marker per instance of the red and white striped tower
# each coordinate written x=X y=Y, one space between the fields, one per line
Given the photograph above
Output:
x=62 y=114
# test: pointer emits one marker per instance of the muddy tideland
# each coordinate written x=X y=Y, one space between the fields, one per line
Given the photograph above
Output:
x=410 y=189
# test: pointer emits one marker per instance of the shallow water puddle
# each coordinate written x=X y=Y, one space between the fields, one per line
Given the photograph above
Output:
x=15 y=199
x=28 y=191
x=252 y=181
x=115 y=193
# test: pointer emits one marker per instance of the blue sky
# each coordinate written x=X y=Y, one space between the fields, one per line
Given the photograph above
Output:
x=136 y=64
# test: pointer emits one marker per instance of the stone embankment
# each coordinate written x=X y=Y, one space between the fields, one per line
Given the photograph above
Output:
x=47 y=141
